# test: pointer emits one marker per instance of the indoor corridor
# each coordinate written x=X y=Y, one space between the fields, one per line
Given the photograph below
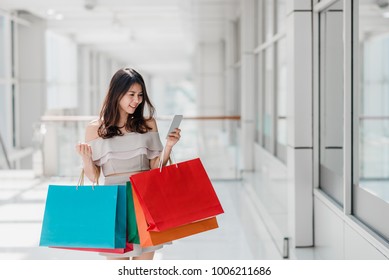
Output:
x=241 y=234
x=285 y=102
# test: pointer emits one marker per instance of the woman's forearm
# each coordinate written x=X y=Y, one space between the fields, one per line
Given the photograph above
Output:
x=91 y=171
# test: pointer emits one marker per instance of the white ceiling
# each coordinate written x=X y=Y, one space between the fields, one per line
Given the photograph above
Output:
x=155 y=35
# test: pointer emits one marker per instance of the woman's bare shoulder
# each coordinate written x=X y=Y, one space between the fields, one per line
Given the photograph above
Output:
x=152 y=123
x=91 y=131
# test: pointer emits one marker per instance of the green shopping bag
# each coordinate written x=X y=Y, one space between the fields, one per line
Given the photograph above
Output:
x=132 y=228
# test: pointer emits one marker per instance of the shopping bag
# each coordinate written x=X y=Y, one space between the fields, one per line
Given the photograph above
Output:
x=176 y=195
x=85 y=217
x=129 y=247
x=152 y=238
x=132 y=229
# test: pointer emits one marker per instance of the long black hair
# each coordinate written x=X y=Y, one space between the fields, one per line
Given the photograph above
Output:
x=120 y=83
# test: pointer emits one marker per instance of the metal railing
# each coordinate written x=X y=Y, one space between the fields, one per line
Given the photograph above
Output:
x=211 y=138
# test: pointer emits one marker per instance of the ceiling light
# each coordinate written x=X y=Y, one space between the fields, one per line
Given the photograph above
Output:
x=59 y=17
x=50 y=12
x=90 y=4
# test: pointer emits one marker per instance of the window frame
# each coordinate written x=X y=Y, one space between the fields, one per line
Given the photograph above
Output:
x=266 y=57
x=366 y=207
x=360 y=208
x=10 y=82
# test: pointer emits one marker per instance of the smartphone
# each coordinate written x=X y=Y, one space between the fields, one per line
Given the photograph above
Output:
x=174 y=124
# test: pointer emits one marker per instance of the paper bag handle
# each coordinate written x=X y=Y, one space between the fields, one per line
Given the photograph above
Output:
x=160 y=165
x=81 y=180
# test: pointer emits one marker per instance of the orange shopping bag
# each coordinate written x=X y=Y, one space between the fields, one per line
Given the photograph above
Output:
x=152 y=238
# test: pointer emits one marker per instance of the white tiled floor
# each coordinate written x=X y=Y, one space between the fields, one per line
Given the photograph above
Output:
x=22 y=200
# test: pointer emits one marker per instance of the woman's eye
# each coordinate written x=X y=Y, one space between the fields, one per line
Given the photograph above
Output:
x=139 y=95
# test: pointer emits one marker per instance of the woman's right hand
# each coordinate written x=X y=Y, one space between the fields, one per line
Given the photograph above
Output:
x=84 y=150
x=91 y=170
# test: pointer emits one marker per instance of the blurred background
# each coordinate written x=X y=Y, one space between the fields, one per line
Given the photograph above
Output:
x=285 y=102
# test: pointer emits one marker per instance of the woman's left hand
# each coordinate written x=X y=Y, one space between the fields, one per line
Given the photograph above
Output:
x=173 y=137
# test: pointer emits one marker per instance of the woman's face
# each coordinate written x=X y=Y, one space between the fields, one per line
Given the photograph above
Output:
x=131 y=99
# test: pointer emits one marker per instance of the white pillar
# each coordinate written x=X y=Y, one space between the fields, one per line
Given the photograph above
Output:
x=247 y=84
x=104 y=77
x=84 y=86
x=32 y=76
x=300 y=119
x=229 y=78
x=209 y=78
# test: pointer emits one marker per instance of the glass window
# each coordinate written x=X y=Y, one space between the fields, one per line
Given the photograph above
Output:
x=269 y=19
x=374 y=111
x=61 y=78
x=331 y=101
x=259 y=22
x=237 y=69
x=237 y=41
x=259 y=97
x=237 y=95
x=5 y=117
x=2 y=47
x=281 y=16
x=281 y=93
x=3 y=129
x=371 y=184
x=13 y=49
x=6 y=87
x=268 y=118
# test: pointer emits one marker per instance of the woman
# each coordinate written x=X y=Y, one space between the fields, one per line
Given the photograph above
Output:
x=123 y=142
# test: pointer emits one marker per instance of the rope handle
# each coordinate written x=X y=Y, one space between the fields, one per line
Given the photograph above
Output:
x=81 y=180
x=160 y=165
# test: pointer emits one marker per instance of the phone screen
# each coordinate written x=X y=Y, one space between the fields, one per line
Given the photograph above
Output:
x=174 y=124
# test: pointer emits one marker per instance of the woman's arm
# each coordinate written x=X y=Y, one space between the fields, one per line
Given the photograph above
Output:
x=91 y=170
x=170 y=142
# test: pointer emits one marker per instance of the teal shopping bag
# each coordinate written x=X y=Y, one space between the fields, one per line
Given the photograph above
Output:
x=85 y=217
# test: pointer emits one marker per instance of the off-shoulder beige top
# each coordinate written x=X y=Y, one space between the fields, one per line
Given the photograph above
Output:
x=127 y=153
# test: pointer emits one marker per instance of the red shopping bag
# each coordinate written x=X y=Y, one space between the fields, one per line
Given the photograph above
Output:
x=176 y=195
x=152 y=238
